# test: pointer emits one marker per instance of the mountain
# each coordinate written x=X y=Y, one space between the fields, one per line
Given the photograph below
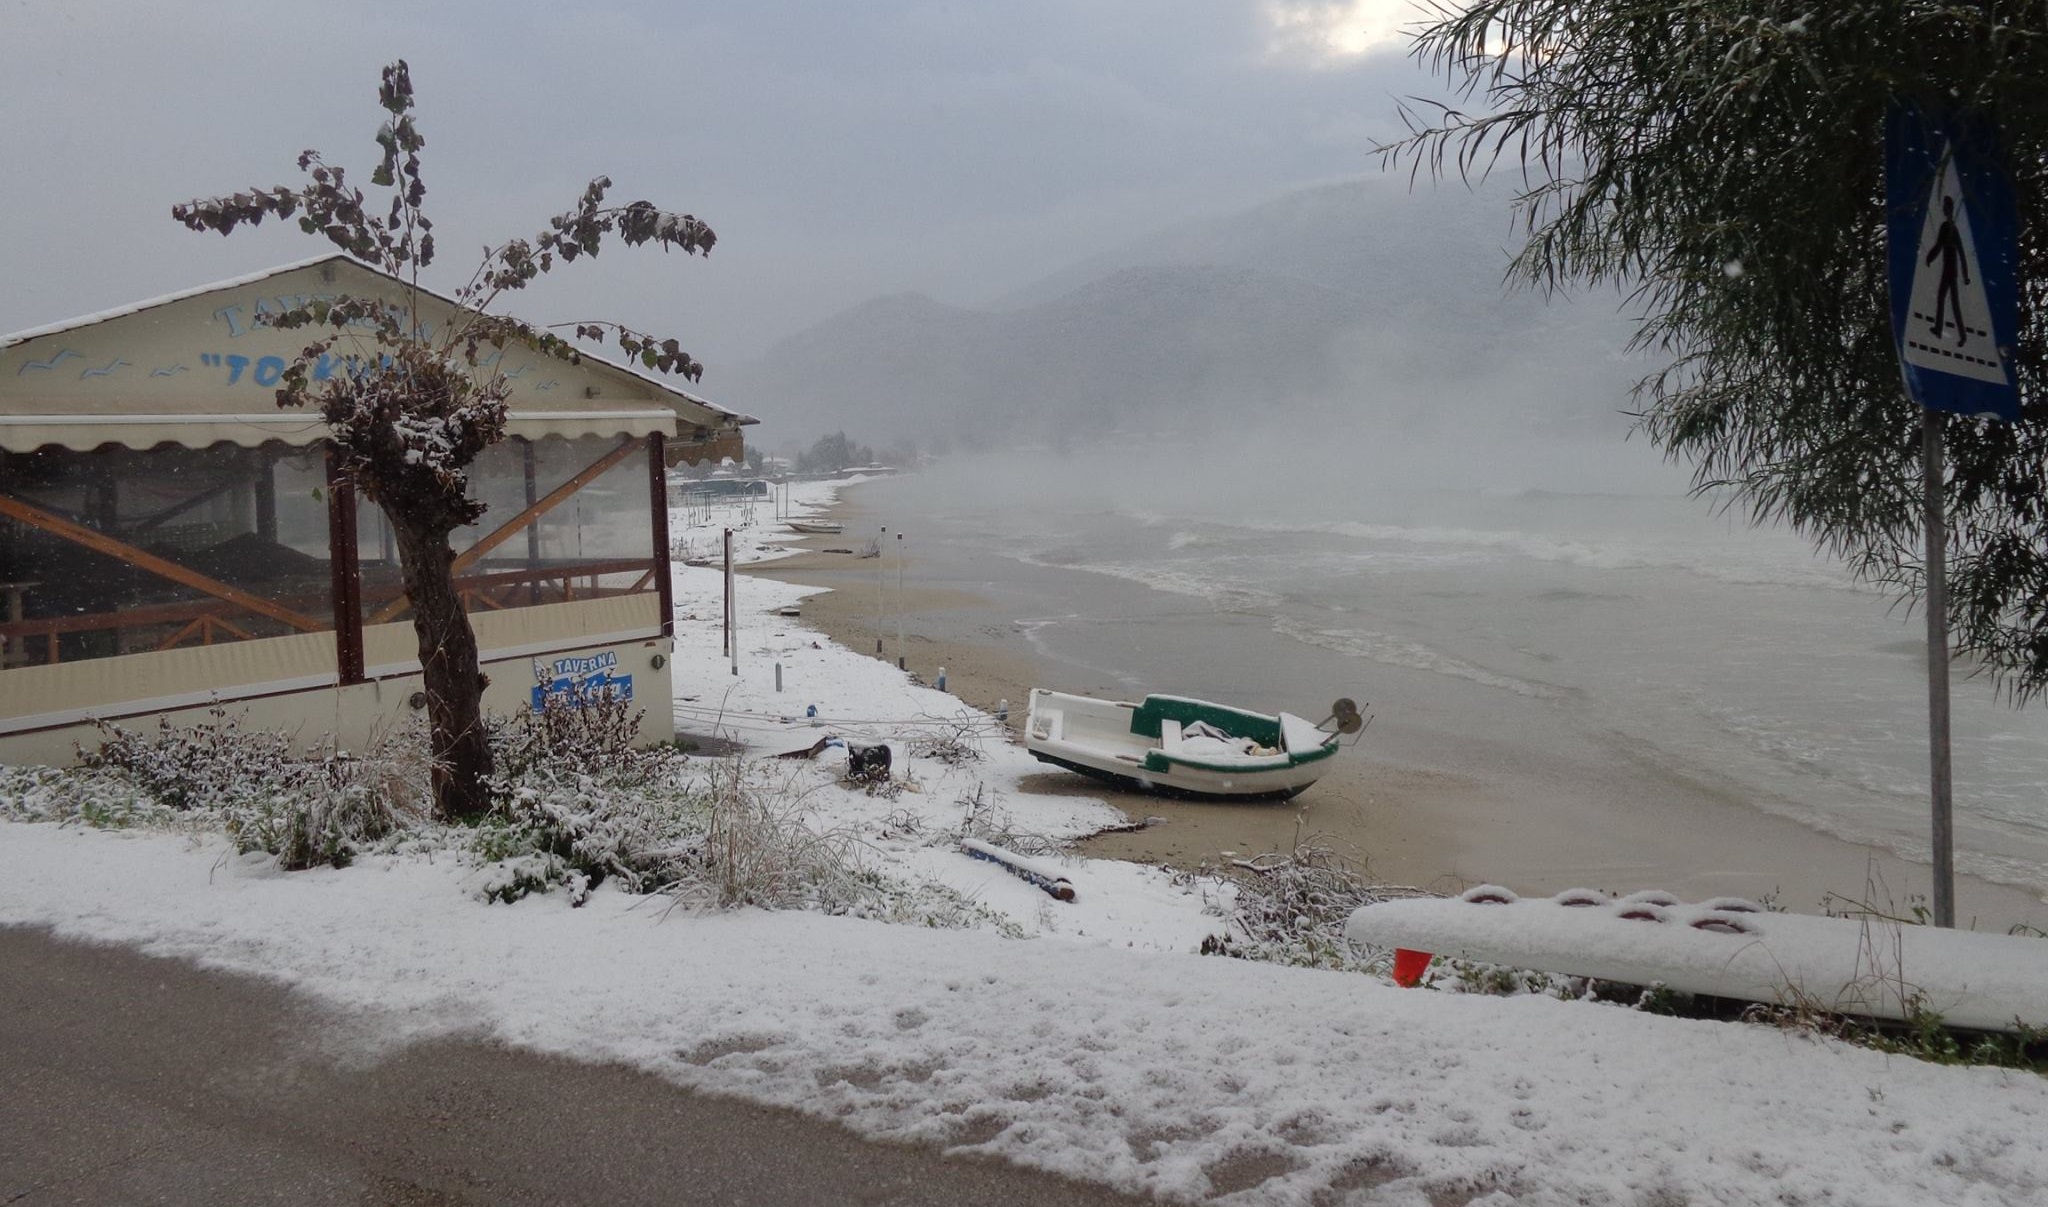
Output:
x=1353 y=301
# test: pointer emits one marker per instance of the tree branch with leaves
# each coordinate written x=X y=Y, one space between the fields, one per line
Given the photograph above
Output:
x=410 y=418
x=1721 y=162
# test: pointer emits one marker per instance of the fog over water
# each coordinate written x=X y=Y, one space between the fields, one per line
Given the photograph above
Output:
x=1489 y=591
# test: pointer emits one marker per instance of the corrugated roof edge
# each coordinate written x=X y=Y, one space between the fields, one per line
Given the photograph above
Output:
x=87 y=320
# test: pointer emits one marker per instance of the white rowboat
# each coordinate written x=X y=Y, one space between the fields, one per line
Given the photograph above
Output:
x=1175 y=746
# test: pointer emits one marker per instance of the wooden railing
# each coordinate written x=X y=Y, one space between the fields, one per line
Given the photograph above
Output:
x=209 y=621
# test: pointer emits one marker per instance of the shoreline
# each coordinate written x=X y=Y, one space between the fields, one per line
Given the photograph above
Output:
x=1535 y=822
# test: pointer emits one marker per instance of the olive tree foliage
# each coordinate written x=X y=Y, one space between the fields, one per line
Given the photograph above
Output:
x=1721 y=162
x=416 y=403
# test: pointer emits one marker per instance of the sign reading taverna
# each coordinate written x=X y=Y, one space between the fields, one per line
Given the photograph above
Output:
x=1952 y=241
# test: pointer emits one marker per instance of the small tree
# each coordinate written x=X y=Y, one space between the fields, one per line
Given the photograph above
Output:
x=1722 y=160
x=408 y=422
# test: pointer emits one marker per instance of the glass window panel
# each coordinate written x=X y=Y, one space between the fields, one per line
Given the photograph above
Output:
x=251 y=521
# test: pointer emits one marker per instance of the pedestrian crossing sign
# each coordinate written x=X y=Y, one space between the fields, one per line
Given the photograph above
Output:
x=1953 y=250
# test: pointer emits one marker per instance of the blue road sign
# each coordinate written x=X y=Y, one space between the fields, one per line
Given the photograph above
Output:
x=1952 y=246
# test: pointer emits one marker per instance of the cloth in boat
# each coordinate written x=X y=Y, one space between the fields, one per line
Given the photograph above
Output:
x=1201 y=738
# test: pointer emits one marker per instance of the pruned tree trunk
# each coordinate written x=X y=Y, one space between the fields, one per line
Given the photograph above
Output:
x=454 y=679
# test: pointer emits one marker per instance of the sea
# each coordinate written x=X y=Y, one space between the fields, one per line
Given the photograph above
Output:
x=1488 y=618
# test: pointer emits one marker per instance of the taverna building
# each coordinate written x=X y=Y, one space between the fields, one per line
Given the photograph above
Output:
x=171 y=539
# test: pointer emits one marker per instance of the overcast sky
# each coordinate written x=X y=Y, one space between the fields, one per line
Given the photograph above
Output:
x=840 y=150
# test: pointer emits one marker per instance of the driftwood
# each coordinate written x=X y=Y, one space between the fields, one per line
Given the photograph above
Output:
x=1031 y=871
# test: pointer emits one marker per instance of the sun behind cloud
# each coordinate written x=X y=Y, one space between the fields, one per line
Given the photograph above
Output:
x=1333 y=31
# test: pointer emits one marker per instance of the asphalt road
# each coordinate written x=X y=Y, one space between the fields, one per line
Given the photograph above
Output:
x=126 y=1079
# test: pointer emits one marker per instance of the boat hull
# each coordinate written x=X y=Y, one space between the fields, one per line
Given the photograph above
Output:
x=1154 y=786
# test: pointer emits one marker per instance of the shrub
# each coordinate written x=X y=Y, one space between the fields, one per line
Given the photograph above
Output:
x=1290 y=908
x=325 y=813
x=198 y=766
x=321 y=806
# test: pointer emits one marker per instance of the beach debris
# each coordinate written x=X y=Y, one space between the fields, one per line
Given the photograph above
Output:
x=790 y=610
x=1031 y=871
x=813 y=750
x=1129 y=827
x=1409 y=965
x=949 y=740
x=868 y=764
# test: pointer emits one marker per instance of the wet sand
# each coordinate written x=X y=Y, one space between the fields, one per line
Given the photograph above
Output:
x=1420 y=800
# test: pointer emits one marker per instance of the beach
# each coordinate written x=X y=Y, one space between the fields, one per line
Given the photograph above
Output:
x=1430 y=795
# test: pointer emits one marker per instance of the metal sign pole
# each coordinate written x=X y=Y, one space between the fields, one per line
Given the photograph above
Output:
x=1937 y=669
x=1952 y=256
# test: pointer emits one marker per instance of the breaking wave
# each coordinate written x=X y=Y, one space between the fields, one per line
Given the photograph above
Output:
x=1792 y=566
x=1399 y=651
x=1224 y=595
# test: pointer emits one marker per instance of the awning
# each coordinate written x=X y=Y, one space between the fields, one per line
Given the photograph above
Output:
x=82 y=433
x=695 y=447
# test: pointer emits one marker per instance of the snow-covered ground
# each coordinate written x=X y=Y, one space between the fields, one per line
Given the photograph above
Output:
x=1102 y=1048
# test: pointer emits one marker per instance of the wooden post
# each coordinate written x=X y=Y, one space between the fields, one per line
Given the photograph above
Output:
x=532 y=530
x=1935 y=516
x=732 y=645
x=657 y=488
x=347 y=574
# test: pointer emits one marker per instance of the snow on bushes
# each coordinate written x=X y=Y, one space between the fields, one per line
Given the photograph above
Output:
x=308 y=808
x=576 y=805
x=1290 y=908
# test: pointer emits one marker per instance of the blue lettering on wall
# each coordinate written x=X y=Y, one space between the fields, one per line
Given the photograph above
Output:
x=268 y=370
x=575 y=682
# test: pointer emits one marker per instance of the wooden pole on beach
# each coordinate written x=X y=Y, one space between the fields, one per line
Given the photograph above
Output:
x=899 y=602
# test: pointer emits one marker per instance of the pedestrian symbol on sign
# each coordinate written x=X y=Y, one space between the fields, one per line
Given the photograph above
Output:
x=1948 y=245
x=1949 y=315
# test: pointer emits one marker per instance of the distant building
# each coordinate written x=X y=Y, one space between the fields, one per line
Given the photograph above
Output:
x=170 y=537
